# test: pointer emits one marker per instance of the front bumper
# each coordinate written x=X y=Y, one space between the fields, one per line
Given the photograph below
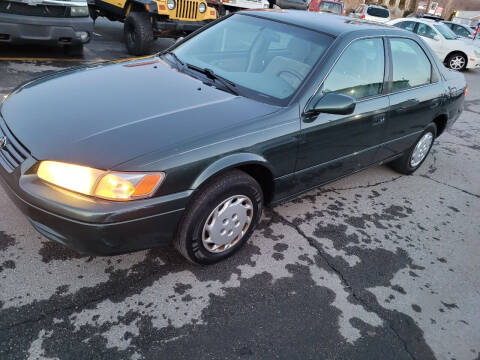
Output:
x=177 y=27
x=473 y=63
x=88 y=225
x=53 y=31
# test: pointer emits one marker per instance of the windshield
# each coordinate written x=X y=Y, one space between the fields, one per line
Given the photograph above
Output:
x=445 y=31
x=332 y=7
x=378 y=12
x=265 y=59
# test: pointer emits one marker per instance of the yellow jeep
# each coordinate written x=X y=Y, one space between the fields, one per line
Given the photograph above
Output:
x=145 y=20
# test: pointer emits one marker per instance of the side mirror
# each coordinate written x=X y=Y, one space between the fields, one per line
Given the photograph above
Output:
x=179 y=39
x=333 y=103
x=351 y=12
x=436 y=38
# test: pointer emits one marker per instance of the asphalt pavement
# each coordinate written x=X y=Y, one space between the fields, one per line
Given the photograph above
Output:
x=374 y=266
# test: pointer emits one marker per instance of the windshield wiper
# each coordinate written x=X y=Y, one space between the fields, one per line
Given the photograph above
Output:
x=230 y=86
x=179 y=63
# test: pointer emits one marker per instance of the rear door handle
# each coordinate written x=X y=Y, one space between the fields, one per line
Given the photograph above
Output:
x=378 y=120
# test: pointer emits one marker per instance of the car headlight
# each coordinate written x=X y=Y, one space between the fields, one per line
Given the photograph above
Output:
x=79 y=11
x=108 y=185
x=202 y=7
x=171 y=4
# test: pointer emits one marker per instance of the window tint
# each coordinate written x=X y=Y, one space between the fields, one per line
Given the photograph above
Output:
x=426 y=31
x=407 y=25
x=378 y=12
x=411 y=66
x=359 y=71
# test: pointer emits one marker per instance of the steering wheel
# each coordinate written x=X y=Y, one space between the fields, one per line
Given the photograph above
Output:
x=293 y=73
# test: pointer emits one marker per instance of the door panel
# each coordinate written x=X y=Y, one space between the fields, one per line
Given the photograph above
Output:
x=415 y=99
x=410 y=111
x=335 y=145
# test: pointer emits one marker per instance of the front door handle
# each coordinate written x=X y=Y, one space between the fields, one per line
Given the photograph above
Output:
x=378 y=120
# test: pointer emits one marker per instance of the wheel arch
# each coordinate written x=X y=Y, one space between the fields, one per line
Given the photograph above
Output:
x=253 y=164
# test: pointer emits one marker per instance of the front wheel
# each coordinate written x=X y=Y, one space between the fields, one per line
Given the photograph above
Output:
x=457 y=62
x=416 y=155
x=138 y=33
x=220 y=219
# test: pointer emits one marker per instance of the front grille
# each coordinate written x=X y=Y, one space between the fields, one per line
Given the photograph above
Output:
x=14 y=153
x=187 y=9
x=16 y=8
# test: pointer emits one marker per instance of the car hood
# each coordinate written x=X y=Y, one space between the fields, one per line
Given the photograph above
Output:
x=104 y=115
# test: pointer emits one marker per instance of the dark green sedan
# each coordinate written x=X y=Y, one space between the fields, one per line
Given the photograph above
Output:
x=187 y=146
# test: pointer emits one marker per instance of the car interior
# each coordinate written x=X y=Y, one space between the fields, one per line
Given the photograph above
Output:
x=268 y=60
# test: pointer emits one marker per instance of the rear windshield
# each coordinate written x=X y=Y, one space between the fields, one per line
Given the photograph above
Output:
x=327 y=6
x=378 y=12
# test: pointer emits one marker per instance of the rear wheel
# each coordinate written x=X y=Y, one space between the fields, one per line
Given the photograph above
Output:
x=138 y=33
x=416 y=155
x=220 y=219
x=457 y=61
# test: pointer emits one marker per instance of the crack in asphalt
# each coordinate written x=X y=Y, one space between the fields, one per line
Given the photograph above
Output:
x=450 y=186
x=314 y=244
x=365 y=186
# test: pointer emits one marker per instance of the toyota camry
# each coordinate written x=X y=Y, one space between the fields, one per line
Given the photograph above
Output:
x=186 y=147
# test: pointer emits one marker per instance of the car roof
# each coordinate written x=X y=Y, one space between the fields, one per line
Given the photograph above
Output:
x=419 y=20
x=334 y=25
x=377 y=6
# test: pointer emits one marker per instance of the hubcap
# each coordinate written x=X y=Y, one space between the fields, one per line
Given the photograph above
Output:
x=227 y=223
x=457 y=62
x=421 y=149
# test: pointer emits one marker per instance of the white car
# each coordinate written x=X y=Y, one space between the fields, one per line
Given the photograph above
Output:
x=371 y=13
x=455 y=53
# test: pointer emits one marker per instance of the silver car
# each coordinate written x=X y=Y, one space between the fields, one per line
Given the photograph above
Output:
x=59 y=22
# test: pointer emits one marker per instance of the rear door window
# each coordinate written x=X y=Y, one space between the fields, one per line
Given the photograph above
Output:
x=378 y=12
x=359 y=71
x=425 y=31
x=411 y=66
x=407 y=25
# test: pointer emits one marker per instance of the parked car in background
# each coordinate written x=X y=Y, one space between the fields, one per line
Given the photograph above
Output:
x=145 y=20
x=461 y=30
x=327 y=6
x=228 y=6
x=371 y=13
x=426 y=16
x=290 y=4
x=53 y=22
x=266 y=105
x=455 y=53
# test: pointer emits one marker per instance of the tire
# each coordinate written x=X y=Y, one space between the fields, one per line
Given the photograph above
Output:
x=457 y=61
x=74 y=50
x=236 y=188
x=407 y=164
x=138 y=33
